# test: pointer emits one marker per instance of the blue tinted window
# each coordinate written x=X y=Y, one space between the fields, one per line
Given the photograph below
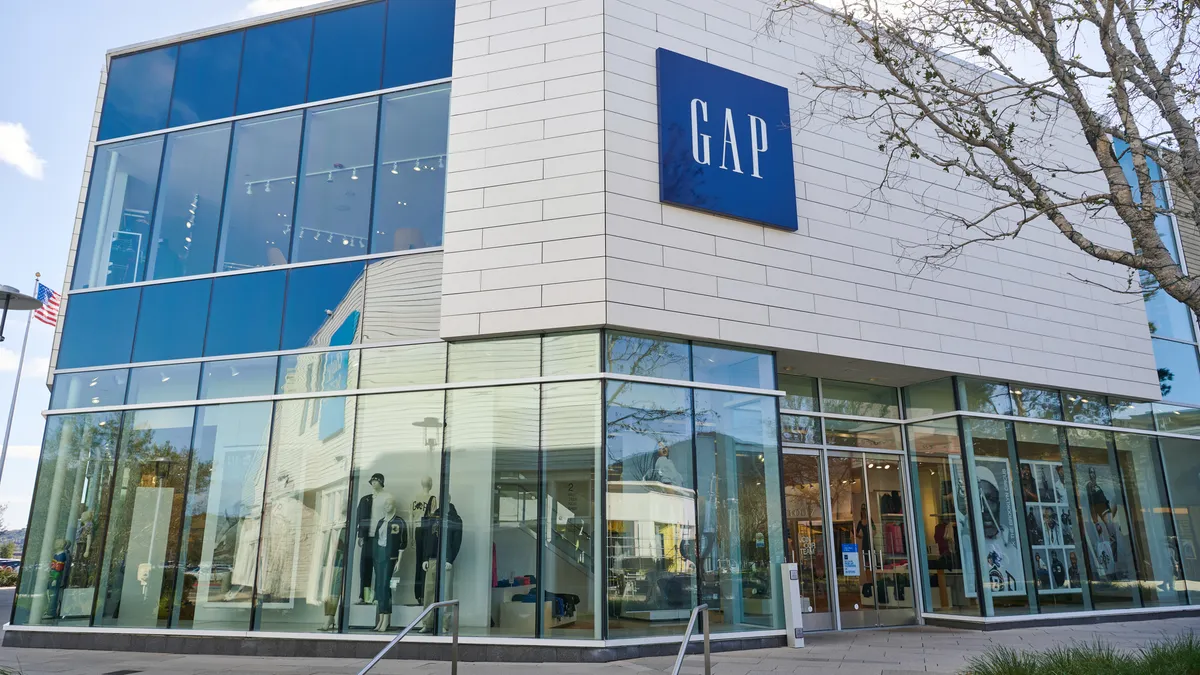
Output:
x=410 y=192
x=420 y=41
x=324 y=371
x=1167 y=316
x=189 y=203
x=333 y=211
x=347 y=52
x=137 y=97
x=163 y=384
x=84 y=390
x=239 y=377
x=735 y=367
x=274 y=65
x=245 y=314
x=206 y=79
x=99 y=328
x=1178 y=371
x=259 y=195
x=116 y=222
x=323 y=306
x=171 y=322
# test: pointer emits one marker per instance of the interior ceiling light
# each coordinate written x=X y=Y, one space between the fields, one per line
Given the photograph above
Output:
x=330 y=238
x=354 y=174
x=249 y=188
x=268 y=187
x=345 y=241
x=441 y=162
x=416 y=165
x=394 y=169
x=329 y=177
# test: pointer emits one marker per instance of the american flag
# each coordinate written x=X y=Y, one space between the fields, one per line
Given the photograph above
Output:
x=48 y=313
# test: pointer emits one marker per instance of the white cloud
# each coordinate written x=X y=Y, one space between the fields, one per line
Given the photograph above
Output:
x=35 y=366
x=260 y=7
x=16 y=150
x=23 y=452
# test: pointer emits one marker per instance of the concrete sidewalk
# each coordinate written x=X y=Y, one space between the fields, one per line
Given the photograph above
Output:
x=897 y=651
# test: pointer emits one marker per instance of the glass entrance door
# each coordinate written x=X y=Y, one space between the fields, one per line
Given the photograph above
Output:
x=869 y=523
x=804 y=504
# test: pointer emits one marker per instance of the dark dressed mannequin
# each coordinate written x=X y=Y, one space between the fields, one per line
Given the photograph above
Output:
x=391 y=537
x=367 y=516
x=428 y=546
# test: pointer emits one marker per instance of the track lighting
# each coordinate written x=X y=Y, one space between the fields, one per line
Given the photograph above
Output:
x=329 y=177
x=268 y=187
x=345 y=241
x=249 y=188
x=441 y=162
x=416 y=165
x=394 y=170
x=329 y=239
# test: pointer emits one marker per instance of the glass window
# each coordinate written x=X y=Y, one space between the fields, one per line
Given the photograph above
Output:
x=1181 y=458
x=137 y=96
x=1037 y=403
x=741 y=538
x=1131 y=414
x=239 y=377
x=1104 y=519
x=260 y=192
x=800 y=429
x=651 y=509
x=570 y=353
x=325 y=371
x=984 y=397
x=804 y=505
x=324 y=305
x=733 y=367
x=141 y=555
x=1178 y=371
x=1177 y=419
x=1051 y=527
x=99 y=328
x=929 y=398
x=864 y=400
x=571 y=445
x=70 y=506
x=944 y=529
x=490 y=510
x=206 y=79
x=410 y=192
x=347 y=52
x=1167 y=316
x=403 y=298
x=333 y=211
x=396 y=481
x=189 y=203
x=1154 y=539
x=403 y=366
x=82 y=390
x=1086 y=408
x=115 y=237
x=275 y=65
x=171 y=321
x=1003 y=565
x=648 y=356
x=420 y=41
x=801 y=393
x=504 y=359
x=245 y=314
x=856 y=434
x=162 y=384
x=214 y=585
x=301 y=559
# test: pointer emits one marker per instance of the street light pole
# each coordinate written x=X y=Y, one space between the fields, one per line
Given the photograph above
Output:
x=13 y=299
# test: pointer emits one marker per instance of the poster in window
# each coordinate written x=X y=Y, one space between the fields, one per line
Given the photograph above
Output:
x=1001 y=542
x=1103 y=522
x=962 y=523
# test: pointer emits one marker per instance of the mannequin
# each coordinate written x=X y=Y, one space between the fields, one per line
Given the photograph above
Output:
x=368 y=514
x=60 y=567
x=425 y=508
x=431 y=527
x=334 y=602
x=391 y=537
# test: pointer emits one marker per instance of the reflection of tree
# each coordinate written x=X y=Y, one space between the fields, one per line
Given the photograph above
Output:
x=1165 y=376
x=644 y=356
x=1043 y=403
x=682 y=175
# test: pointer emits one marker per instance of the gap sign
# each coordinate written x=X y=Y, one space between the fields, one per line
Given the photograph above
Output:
x=724 y=142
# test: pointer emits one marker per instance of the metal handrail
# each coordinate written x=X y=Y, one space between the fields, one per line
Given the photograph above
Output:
x=687 y=636
x=453 y=642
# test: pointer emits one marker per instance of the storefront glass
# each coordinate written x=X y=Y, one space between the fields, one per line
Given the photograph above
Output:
x=1160 y=579
x=1181 y=458
x=804 y=505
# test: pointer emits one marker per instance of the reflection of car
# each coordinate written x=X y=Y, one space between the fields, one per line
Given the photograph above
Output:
x=10 y=563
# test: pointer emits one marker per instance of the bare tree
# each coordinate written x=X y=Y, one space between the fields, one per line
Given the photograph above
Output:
x=1034 y=104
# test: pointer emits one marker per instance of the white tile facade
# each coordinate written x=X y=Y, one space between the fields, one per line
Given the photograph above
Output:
x=554 y=220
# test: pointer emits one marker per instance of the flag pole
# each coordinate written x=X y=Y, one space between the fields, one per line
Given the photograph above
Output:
x=12 y=407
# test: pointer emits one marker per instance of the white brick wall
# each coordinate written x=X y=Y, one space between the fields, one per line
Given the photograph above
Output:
x=554 y=220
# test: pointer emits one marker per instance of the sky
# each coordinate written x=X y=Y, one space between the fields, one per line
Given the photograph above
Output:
x=51 y=55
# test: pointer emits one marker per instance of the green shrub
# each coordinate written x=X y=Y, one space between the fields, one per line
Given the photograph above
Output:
x=1176 y=656
x=7 y=578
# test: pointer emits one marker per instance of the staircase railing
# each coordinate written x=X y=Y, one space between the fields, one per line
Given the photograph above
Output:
x=454 y=639
x=699 y=611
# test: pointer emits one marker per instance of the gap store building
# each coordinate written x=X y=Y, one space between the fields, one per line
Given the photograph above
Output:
x=546 y=307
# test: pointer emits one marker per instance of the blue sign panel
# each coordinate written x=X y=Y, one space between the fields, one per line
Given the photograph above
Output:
x=724 y=142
